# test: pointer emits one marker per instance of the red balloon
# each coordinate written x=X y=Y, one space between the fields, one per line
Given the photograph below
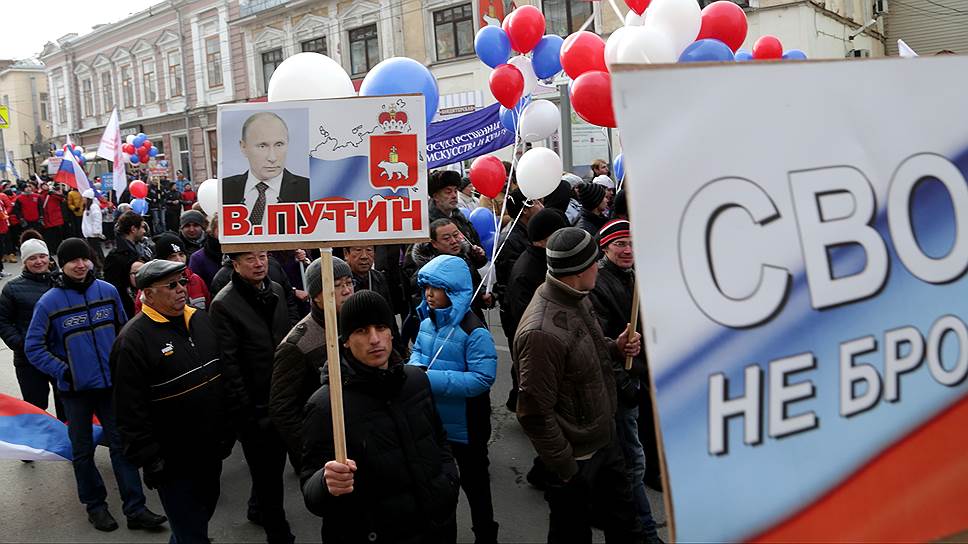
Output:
x=142 y=154
x=488 y=175
x=507 y=84
x=138 y=189
x=768 y=47
x=583 y=52
x=724 y=21
x=525 y=26
x=128 y=148
x=591 y=96
x=638 y=6
x=147 y=144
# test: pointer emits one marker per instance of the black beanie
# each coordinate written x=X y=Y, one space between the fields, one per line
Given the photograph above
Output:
x=362 y=309
x=73 y=248
x=559 y=198
x=591 y=195
x=441 y=179
x=167 y=244
x=545 y=223
x=619 y=205
x=570 y=251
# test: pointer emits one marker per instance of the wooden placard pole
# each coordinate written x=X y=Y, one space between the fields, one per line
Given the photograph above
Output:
x=634 y=321
x=332 y=355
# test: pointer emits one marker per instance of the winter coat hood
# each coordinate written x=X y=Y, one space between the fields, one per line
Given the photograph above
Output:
x=453 y=276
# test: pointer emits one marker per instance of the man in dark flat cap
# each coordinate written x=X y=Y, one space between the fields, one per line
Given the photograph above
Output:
x=172 y=415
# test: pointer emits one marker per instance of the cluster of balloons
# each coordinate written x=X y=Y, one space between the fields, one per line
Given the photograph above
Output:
x=137 y=149
x=313 y=76
x=75 y=150
x=138 y=191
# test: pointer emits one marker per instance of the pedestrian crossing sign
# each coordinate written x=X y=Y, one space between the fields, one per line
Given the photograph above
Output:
x=4 y=117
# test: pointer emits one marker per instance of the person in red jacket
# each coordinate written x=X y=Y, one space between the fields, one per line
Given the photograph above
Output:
x=28 y=208
x=9 y=237
x=53 y=215
x=188 y=197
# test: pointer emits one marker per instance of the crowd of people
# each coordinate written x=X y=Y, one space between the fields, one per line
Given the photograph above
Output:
x=170 y=341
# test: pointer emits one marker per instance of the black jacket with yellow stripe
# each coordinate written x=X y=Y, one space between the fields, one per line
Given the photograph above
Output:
x=168 y=390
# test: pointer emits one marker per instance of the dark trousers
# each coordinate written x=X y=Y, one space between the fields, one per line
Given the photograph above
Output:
x=13 y=235
x=476 y=482
x=647 y=436
x=75 y=226
x=265 y=453
x=98 y=251
x=53 y=236
x=189 y=501
x=600 y=490
x=35 y=387
x=81 y=407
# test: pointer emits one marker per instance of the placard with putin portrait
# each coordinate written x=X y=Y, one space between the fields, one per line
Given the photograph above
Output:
x=324 y=171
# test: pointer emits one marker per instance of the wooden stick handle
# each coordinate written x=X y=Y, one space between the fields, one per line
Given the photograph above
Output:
x=633 y=320
x=332 y=355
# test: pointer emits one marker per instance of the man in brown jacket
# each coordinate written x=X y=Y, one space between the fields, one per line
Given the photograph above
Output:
x=567 y=397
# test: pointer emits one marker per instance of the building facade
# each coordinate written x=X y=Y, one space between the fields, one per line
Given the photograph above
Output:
x=928 y=27
x=165 y=69
x=23 y=89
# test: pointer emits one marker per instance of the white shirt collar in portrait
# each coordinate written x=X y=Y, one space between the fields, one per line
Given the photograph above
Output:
x=252 y=194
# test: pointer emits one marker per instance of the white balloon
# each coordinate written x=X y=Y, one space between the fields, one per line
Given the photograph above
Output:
x=679 y=19
x=129 y=139
x=523 y=64
x=539 y=120
x=79 y=149
x=634 y=19
x=309 y=76
x=538 y=172
x=611 y=46
x=207 y=195
x=646 y=45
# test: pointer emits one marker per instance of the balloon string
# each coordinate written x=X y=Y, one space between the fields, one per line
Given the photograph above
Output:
x=591 y=17
x=507 y=191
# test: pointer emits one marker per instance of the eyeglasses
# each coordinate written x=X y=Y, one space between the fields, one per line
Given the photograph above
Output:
x=622 y=245
x=172 y=285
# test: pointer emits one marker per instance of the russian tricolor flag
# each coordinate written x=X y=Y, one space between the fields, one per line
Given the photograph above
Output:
x=71 y=172
x=32 y=434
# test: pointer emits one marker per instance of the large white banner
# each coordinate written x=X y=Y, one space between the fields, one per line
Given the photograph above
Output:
x=801 y=237
x=323 y=171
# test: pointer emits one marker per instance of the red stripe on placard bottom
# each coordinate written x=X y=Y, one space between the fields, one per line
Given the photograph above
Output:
x=914 y=491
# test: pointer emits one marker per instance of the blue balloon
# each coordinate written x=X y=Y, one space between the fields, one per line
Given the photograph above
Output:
x=488 y=246
x=509 y=118
x=743 y=55
x=618 y=166
x=492 y=46
x=138 y=141
x=402 y=75
x=546 y=57
x=707 y=50
x=794 y=54
x=134 y=159
x=153 y=151
x=140 y=206
x=59 y=153
x=483 y=220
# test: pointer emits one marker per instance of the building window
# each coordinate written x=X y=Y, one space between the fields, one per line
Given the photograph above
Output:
x=364 y=49
x=270 y=61
x=174 y=74
x=127 y=86
x=107 y=92
x=88 y=94
x=61 y=109
x=315 y=45
x=563 y=17
x=213 y=153
x=185 y=156
x=454 y=32
x=213 y=61
x=150 y=94
x=44 y=107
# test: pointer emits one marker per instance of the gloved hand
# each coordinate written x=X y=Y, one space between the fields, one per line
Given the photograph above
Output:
x=154 y=473
x=68 y=377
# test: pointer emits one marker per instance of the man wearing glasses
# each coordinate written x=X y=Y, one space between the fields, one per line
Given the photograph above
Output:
x=168 y=392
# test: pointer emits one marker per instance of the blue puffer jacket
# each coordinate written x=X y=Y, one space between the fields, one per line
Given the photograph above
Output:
x=74 y=330
x=467 y=363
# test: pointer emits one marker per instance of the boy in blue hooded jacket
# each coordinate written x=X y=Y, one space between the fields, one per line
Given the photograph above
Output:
x=457 y=350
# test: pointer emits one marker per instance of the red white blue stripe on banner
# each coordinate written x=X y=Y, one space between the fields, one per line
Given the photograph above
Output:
x=29 y=433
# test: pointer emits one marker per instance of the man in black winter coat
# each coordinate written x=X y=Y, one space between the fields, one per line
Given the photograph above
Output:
x=172 y=414
x=251 y=319
x=400 y=482
x=513 y=243
x=17 y=302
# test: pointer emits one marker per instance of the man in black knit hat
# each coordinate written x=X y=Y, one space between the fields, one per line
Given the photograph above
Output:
x=567 y=397
x=400 y=482
x=593 y=204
